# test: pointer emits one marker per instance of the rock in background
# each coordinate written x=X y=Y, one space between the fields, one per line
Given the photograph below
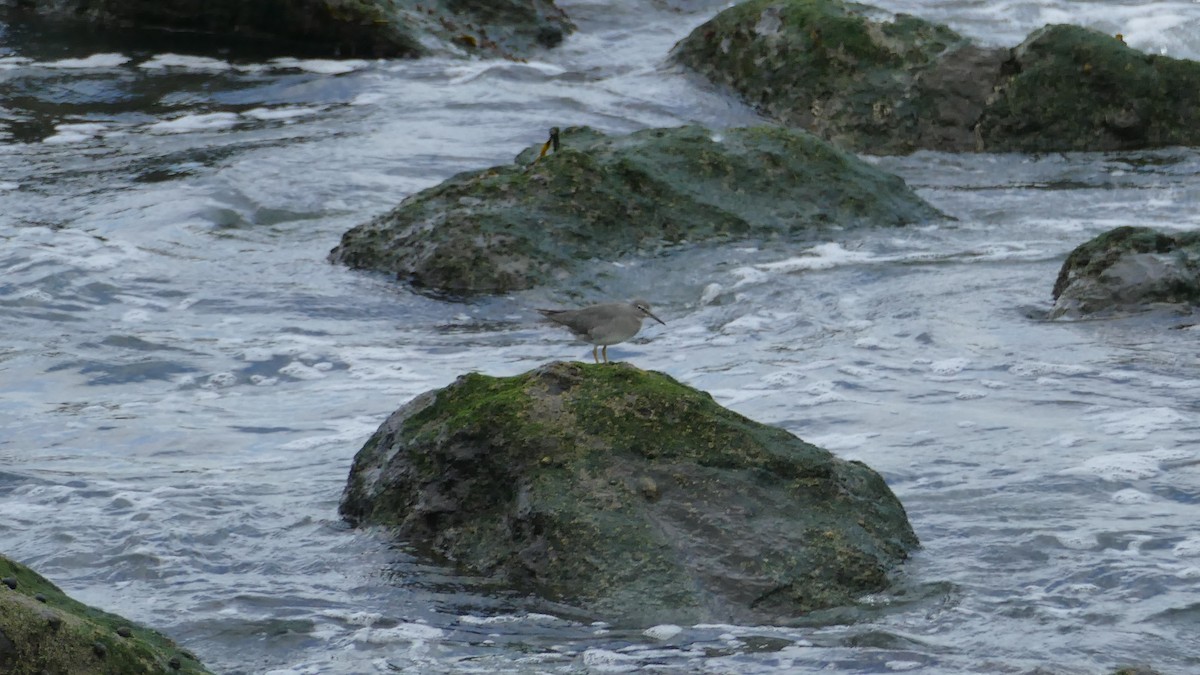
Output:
x=1072 y=88
x=1129 y=269
x=335 y=28
x=873 y=83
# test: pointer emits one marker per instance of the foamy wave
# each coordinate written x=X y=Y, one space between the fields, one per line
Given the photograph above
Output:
x=271 y=114
x=163 y=61
x=1129 y=466
x=93 y=61
x=199 y=122
x=820 y=257
x=321 y=66
x=12 y=62
x=1138 y=423
x=74 y=133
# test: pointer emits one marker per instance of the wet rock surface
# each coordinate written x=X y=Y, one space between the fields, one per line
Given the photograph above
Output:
x=886 y=84
x=42 y=630
x=1129 y=269
x=518 y=226
x=628 y=495
x=332 y=28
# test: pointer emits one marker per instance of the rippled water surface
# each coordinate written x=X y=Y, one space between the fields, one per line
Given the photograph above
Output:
x=184 y=379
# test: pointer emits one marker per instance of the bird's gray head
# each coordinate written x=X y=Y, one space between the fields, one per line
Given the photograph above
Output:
x=643 y=309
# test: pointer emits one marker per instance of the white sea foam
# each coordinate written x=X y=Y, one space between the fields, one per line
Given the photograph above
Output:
x=13 y=62
x=197 y=122
x=858 y=371
x=1082 y=541
x=462 y=73
x=876 y=343
x=163 y=61
x=93 y=61
x=710 y=293
x=301 y=371
x=752 y=323
x=748 y=276
x=1131 y=496
x=473 y=620
x=368 y=98
x=664 y=631
x=405 y=632
x=1037 y=368
x=75 y=133
x=952 y=366
x=819 y=257
x=781 y=378
x=289 y=113
x=321 y=66
x=259 y=354
x=843 y=441
x=1122 y=466
x=1187 y=548
x=1139 y=423
x=608 y=661
x=1067 y=440
x=1125 y=466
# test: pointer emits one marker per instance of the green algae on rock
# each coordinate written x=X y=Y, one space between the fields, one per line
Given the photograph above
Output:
x=847 y=73
x=514 y=227
x=42 y=630
x=339 y=28
x=628 y=495
x=832 y=68
x=1128 y=269
x=1073 y=88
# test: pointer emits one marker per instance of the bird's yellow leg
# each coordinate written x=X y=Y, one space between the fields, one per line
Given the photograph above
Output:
x=604 y=351
x=595 y=357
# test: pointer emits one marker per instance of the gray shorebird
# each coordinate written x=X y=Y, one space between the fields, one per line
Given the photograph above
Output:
x=603 y=325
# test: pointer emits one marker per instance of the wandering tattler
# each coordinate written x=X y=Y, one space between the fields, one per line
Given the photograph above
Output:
x=603 y=325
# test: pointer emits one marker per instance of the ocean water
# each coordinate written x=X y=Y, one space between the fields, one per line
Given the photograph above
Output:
x=184 y=379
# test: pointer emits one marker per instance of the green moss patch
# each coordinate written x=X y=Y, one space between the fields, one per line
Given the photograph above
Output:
x=514 y=227
x=629 y=495
x=43 y=630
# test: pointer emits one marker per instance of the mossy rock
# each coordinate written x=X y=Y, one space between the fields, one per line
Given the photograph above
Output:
x=878 y=85
x=336 y=28
x=1073 y=88
x=42 y=630
x=1128 y=269
x=835 y=69
x=518 y=226
x=627 y=495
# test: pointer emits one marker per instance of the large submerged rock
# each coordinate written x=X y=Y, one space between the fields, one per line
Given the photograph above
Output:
x=344 y=28
x=629 y=495
x=42 y=630
x=1129 y=269
x=514 y=227
x=880 y=84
